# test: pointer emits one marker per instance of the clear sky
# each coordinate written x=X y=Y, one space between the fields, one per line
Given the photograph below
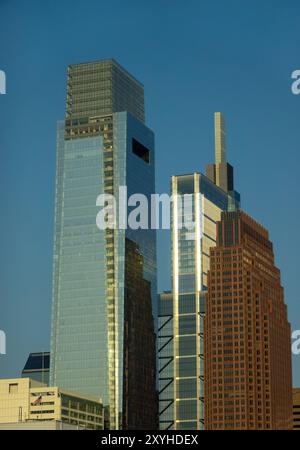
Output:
x=194 y=57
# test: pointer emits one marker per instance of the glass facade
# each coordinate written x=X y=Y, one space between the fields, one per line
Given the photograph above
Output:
x=79 y=323
x=103 y=87
x=140 y=405
x=96 y=154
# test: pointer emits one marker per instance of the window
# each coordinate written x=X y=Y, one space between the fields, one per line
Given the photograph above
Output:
x=140 y=150
x=13 y=388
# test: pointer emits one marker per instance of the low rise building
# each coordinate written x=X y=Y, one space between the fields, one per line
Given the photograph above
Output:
x=296 y=409
x=39 y=425
x=23 y=400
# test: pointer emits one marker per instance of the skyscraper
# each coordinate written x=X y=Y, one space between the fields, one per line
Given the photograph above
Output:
x=247 y=357
x=102 y=144
x=182 y=401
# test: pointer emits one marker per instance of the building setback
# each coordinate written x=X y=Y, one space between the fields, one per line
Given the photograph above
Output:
x=102 y=144
x=248 y=381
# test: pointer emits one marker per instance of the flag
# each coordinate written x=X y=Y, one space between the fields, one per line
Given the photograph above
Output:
x=38 y=401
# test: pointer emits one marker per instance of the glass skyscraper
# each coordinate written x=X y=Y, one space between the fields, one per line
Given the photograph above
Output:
x=181 y=313
x=102 y=144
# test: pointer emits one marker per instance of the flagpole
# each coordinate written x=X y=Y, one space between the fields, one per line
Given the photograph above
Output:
x=43 y=366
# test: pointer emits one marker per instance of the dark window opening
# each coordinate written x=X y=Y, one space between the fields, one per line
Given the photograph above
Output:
x=140 y=150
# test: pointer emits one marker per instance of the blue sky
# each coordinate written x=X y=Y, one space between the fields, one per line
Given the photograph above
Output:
x=194 y=57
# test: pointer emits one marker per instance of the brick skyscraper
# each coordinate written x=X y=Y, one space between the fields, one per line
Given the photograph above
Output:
x=248 y=380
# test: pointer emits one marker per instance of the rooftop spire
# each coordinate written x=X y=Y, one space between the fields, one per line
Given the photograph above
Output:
x=220 y=138
x=221 y=173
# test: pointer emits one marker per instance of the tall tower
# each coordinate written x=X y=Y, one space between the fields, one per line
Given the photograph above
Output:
x=181 y=358
x=247 y=357
x=102 y=144
x=221 y=173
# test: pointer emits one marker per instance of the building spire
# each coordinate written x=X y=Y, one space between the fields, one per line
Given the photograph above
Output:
x=221 y=173
x=220 y=138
